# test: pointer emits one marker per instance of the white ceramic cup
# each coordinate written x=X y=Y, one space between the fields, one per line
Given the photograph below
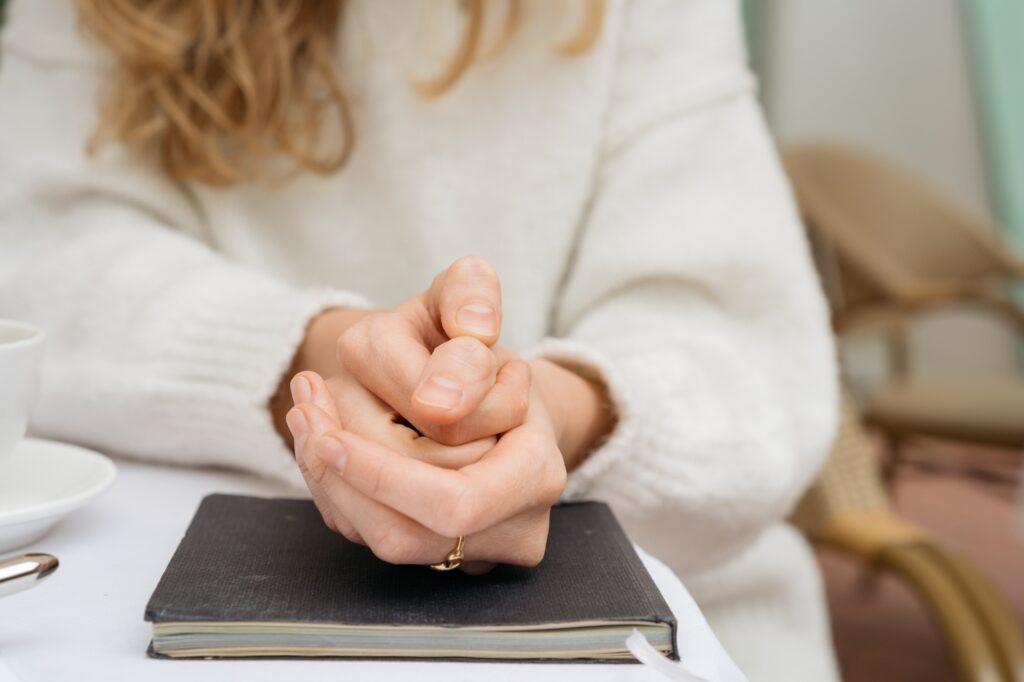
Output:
x=21 y=354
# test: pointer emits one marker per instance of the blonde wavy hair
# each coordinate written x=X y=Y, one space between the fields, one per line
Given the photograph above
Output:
x=222 y=88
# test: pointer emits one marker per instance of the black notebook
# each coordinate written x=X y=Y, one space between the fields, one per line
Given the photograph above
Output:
x=265 y=577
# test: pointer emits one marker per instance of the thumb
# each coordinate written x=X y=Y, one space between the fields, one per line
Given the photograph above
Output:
x=465 y=300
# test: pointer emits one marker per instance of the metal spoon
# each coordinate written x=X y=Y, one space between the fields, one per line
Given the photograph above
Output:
x=27 y=570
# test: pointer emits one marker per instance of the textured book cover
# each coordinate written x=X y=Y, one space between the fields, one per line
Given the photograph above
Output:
x=273 y=561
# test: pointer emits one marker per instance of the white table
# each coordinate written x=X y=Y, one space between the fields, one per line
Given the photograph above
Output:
x=85 y=622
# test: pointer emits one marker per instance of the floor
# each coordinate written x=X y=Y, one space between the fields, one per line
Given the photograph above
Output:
x=968 y=497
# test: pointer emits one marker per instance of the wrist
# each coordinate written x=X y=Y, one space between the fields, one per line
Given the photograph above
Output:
x=316 y=353
x=579 y=407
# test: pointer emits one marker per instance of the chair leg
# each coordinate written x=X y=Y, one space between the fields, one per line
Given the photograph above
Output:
x=973 y=651
x=982 y=634
x=997 y=619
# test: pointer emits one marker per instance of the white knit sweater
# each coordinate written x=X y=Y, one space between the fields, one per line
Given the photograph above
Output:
x=630 y=200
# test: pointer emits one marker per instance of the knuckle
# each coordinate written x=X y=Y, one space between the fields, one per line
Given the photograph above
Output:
x=463 y=513
x=351 y=343
x=519 y=410
x=438 y=281
x=533 y=554
x=393 y=546
x=516 y=410
x=550 y=475
x=346 y=529
x=373 y=327
x=329 y=522
x=317 y=473
x=555 y=483
x=536 y=548
x=303 y=467
x=449 y=434
x=382 y=324
x=472 y=266
x=535 y=542
x=378 y=481
x=357 y=342
x=314 y=475
x=470 y=353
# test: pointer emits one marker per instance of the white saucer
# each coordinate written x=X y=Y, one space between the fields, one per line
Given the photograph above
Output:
x=42 y=482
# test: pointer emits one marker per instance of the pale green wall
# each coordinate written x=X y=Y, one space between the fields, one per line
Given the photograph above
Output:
x=752 y=24
x=995 y=30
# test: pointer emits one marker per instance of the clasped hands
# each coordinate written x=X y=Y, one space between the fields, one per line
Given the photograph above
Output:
x=412 y=427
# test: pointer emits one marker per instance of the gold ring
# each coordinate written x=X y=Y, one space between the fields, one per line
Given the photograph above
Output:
x=454 y=558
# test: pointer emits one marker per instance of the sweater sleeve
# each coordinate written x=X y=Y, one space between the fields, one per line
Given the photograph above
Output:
x=158 y=347
x=692 y=295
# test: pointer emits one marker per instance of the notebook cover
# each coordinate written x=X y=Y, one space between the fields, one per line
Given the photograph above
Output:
x=261 y=559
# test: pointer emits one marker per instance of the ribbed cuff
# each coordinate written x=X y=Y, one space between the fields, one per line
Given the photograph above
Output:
x=617 y=447
x=220 y=365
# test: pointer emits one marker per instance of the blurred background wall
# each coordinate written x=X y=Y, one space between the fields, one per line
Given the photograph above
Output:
x=892 y=77
x=897 y=79
x=935 y=87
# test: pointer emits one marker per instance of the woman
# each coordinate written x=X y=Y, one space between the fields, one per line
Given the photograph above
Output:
x=199 y=200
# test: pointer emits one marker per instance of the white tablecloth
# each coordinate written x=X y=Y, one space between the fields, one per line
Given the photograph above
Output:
x=85 y=622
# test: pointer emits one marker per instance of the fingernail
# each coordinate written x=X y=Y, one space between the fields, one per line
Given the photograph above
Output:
x=332 y=452
x=439 y=391
x=302 y=390
x=297 y=423
x=478 y=318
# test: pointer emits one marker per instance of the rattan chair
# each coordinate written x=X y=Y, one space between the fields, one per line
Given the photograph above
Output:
x=890 y=248
x=848 y=508
x=877 y=273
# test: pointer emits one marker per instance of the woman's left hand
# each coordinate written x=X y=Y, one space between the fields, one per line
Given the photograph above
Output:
x=410 y=510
